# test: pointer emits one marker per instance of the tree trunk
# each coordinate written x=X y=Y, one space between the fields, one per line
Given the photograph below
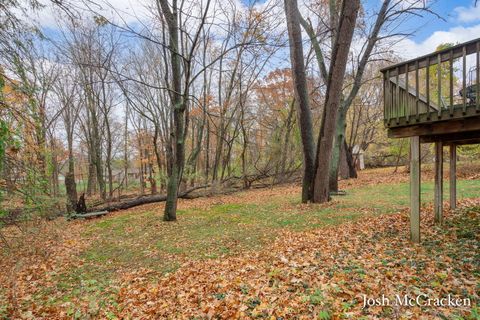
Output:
x=207 y=151
x=70 y=185
x=220 y=128
x=337 y=151
x=151 y=173
x=42 y=146
x=97 y=156
x=196 y=147
x=141 y=176
x=352 y=170
x=301 y=96
x=158 y=156
x=109 y=157
x=243 y=155
x=55 y=170
x=151 y=178
x=286 y=143
x=338 y=65
x=91 y=179
x=179 y=106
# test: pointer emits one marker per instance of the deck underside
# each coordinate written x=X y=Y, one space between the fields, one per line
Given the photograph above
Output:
x=456 y=112
x=462 y=121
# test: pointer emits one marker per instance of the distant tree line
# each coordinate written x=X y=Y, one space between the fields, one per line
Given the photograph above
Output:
x=196 y=93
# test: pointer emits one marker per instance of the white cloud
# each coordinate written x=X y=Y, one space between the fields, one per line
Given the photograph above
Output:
x=125 y=12
x=408 y=48
x=129 y=10
x=468 y=14
x=409 y=4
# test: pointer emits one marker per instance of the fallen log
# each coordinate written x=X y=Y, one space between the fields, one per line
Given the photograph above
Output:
x=338 y=193
x=142 y=200
x=160 y=198
x=88 y=215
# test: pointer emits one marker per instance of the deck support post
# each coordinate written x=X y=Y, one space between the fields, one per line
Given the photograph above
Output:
x=415 y=189
x=453 y=176
x=438 y=203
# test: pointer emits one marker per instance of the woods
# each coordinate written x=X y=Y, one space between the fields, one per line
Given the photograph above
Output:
x=173 y=125
x=115 y=108
x=212 y=159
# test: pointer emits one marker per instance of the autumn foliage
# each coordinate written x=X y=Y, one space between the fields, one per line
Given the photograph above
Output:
x=323 y=272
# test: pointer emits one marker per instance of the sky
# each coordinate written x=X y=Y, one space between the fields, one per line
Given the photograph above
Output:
x=460 y=22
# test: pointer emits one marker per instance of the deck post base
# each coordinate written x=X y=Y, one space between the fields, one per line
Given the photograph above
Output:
x=438 y=203
x=415 y=189
x=453 y=176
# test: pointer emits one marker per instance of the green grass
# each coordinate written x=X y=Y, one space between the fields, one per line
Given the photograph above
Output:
x=140 y=239
x=391 y=197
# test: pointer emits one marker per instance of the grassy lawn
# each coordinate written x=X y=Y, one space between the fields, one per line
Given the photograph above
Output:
x=206 y=229
x=393 y=197
x=139 y=239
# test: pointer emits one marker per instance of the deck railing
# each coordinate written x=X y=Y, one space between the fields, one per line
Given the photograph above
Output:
x=438 y=86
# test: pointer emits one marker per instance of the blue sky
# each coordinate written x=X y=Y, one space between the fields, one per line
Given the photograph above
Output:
x=461 y=22
x=448 y=10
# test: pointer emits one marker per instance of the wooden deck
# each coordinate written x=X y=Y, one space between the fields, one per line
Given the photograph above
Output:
x=433 y=89
x=432 y=100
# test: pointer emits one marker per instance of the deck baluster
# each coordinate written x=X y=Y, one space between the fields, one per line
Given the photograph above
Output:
x=388 y=108
x=439 y=76
x=385 y=98
x=464 y=90
x=407 y=96
x=428 y=87
x=417 y=91
x=477 y=94
x=451 y=83
x=397 y=96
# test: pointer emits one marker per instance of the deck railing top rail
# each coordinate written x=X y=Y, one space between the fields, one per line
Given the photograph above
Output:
x=432 y=58
x=416 y=93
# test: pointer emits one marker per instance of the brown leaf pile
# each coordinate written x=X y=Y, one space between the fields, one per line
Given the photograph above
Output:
x=320 y=274
x=313 y=274
x=33 y=259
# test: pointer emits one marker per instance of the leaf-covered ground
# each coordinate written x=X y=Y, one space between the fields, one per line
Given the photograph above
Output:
x=255 y=254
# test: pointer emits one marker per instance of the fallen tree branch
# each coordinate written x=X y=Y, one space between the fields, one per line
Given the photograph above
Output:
x=160 y=198
x=143 y=200
x=88 y=215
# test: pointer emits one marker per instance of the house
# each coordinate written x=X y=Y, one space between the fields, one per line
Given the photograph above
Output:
x=132 y=174
x=358 y=157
